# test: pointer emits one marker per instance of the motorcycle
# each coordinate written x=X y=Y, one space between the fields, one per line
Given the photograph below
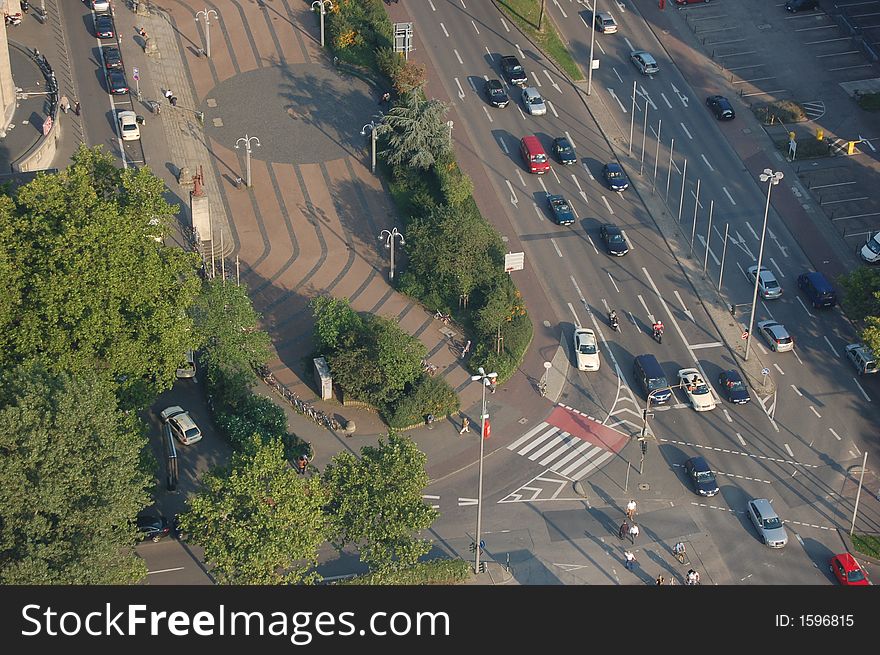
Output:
x=13 y=19
x=615 y=323
x=658 y=335
x=25 y=6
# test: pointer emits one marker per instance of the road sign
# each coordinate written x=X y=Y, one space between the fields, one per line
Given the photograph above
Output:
x=487 y=430
x=136 y=74
x=745 y=335
x=765 y=371
x=514 y=261
x=47 y=125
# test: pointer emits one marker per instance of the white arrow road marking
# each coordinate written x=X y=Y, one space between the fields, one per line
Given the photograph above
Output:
x=491 y=120
x=457 y=56
x=683 y=308
x=576 y=182
x=778 y=245
x=742 y=245
x=867 y=141
x=666 y=100
x=830 y=346
x=552 y=108
x=729 y=197
x=686 y=130
x=443 y=27
x=645 y=95
x=513 y=198
x=460 y=90
x=552 y=83
x=614 y=95
x=564 y=15
x=584 y=196
x=681 y=96
x=711 y=254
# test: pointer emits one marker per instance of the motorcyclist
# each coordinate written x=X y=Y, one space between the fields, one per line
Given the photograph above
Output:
x=612 y=318
x=658 y=328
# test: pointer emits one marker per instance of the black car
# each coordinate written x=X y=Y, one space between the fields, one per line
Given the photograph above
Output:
x=615 y=242
x=721 y=107
x=701 y=476
x=615 y=178
x=801 y=5
x=111 y=56
x=152 y=526
x=495 y=93
x=564 y=151
x=562 y=212
x=733 y=387
x=116 y=83
x=513 y=70
x=104 y=26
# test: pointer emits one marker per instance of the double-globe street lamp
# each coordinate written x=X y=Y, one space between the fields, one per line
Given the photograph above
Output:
x=247 y=148
x=487 y=380
x=772 y=180
x=322 y=6
x=371 y=127
x=207 y=14
x=389 y=236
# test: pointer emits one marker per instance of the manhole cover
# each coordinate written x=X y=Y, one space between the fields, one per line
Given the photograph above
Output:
x=644 y=486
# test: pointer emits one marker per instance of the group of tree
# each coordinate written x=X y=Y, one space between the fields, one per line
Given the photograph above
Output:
x=93 y=324
x=861 y=299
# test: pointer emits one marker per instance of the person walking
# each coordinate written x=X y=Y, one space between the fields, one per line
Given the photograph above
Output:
x=624 y=530
x=76 y=107
x=465 y=425
x=173 y=101
x=629 y=560
x=466 y=349
x=631 y=510
x=660 y=580
x=429 y=421
x=64 y=104
x=168 y=95
x=633 y=533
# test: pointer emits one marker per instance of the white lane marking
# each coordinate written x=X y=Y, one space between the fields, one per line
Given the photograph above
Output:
x=541 y=182
x=491 y=59
x=752 y=230
x=803 y=305
x=443 y=27
x=519 y=50
x=578 y=289
x=797 y=357
x=619 y=78
x=562 y=11
x=503 y=22
x=686 y=130
x=463 y=4
x=503 y=145
x=463 y=502
x=571 y=141
x=727 y=416
x=797 y=391
x=460 y=90
x=552 y=108
x=614 y=283
x=729 y=197
x=553 y=170
x=837 y=436
x=475 y=27
x=519 y=175
x=668 y=104
x=605 y=200
x=767 y=310
x=433 y=8
x=862 y=390
x=647 y=311
x=558 y=251
x=590 y=239
x=614 y=95
x=552 y=82
x=778 y=245
x=788 y=450
x=176 y=568
x=737 y=452
x=538 y=212
x=760 y=348
x=683 y=308
x=457 y=56
x=741 y=440
x=830 y=346
x=777 y=267
x=813 y=409
x=587 y=168
x=711 y=252
x=491 y=120
x=681 y=96
x=707 y=162
x=713 y=344
x=781 y=372
x=513 y=198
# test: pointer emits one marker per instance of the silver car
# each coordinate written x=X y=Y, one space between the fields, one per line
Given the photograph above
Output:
x=533 y=101
x=605 y=22
x=776 y=336
x=768 y=287
x=644 y=61
x=767 y=523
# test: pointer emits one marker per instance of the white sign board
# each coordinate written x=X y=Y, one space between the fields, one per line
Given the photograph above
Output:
x=514 y=261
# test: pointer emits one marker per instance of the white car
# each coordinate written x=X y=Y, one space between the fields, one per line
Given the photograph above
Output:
x=698 y=392
x=181 y=425
x=533 y=101
x=128 y=126
x=586 y=350
x=870 y=252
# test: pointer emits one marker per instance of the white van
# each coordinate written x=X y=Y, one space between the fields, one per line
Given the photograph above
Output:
x=871 y=250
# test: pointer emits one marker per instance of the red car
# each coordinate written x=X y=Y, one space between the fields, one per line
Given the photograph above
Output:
x=847 y=570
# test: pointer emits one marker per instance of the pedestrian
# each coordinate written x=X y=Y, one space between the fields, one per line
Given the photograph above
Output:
x=629 y=560
x=465 y=425
x=631 y=510
x=143 y=33
x=633 y=533
x=429 y=421
x=466 y=349
x=173 y=101
x=660 y=580
x=64 y=104
x=76 y=107
x=168 y=94
x=302 y=463
x=624 y=530
x=493 y=384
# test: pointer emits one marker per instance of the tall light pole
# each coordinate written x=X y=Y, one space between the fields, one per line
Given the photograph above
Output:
x=592 y=41
x=371 y=128
x=207 y=13
x=486 y=379
x=772 y=180
x=389 y=236
x=322 y=6
x=247 y=148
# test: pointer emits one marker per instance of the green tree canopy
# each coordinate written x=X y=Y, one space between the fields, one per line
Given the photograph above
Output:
x=861 y=297
x=74 y=472
x=258 y=520
x=336 y=323
x=376 y=503
x=92 y=289
x=415 y=131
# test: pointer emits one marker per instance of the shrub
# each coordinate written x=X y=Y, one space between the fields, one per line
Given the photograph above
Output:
x=437 y=571
x=869 y=101
x=785 y=111
x=517 y=336
x=428 y=395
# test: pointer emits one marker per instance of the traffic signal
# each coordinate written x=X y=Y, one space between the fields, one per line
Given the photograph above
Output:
x=644 y=446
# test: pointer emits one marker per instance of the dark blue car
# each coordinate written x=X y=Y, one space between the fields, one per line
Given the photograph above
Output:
x=733 y=387
x=615 y=178
x=701 y=476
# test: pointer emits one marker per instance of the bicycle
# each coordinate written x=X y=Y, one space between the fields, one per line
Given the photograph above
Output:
x=446 y=319
x=542 y=388
x=679 y=552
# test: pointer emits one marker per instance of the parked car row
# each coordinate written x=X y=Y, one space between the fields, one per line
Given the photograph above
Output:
x=114 y=68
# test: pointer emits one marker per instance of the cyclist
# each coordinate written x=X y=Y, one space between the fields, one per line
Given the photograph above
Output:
x=693 y=578
x=679 y=551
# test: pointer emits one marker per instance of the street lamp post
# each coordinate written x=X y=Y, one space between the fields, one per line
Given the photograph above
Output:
x=390 y=236
x=322 y=6
x=772 y=180
x=487 y=379
x=592 y=40
x=371 y=128
x=247 y=148
x=207 y=13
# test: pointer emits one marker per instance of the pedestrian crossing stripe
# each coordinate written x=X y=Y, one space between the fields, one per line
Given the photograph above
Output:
x=572 y=457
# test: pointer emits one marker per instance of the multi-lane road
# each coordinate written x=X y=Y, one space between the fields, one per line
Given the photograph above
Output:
x=793 y=446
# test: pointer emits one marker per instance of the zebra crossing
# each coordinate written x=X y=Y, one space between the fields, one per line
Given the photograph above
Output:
x=574 y=457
